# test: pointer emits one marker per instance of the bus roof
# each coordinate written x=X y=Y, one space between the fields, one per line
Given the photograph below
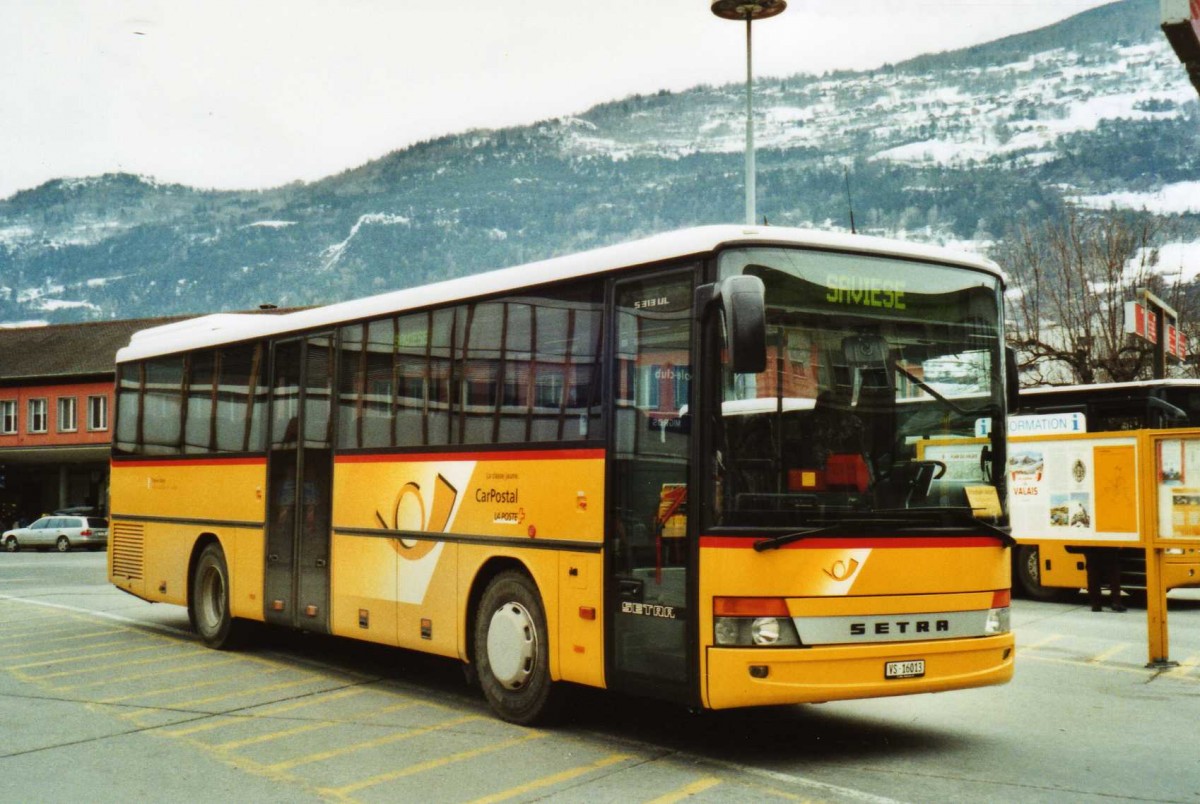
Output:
x=222 y=328
x=1101 y=387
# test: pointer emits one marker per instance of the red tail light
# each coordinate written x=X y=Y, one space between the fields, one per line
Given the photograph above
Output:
x=1002 y=599
x=85 y=533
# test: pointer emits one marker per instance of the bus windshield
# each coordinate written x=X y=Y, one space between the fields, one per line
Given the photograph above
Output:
x=879 y=400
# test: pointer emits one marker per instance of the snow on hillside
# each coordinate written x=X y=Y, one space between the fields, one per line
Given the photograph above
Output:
x=1016 y=111
x=1179 y=198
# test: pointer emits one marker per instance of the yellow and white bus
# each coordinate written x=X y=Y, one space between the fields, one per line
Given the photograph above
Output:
x=685 y=467
x=1063 y=482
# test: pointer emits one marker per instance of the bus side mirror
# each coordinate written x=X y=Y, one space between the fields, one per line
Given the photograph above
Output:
x=742 y=301
x=1012 y=379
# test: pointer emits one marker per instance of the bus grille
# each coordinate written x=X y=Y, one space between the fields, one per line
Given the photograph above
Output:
x=127 y=550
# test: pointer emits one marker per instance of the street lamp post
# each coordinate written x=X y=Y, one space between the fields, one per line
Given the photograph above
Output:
x=749 y=10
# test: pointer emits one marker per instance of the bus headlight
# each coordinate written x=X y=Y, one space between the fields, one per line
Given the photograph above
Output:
x=753 y=622
x=765 y=631
x=760 y=632
x=997 y=616
x=997 y=621
x=726 y=630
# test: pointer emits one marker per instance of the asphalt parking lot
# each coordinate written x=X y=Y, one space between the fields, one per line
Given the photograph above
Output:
x=106 y=698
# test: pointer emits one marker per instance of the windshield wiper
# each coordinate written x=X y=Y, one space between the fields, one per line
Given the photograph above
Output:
x=899 y=519
x=775 y=542
x=947 y=516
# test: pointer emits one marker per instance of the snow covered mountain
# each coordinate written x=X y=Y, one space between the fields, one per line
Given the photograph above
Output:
x=952 y=148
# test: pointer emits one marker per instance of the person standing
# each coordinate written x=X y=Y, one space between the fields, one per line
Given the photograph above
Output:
x=1103 y=566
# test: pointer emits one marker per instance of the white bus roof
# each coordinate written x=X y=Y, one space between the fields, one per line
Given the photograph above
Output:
x=1112 y=386
x=222 y=328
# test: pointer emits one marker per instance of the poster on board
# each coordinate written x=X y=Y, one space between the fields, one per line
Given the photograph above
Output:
x=1074 y=489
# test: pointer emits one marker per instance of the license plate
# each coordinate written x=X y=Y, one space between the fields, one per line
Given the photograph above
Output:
x=911 y=669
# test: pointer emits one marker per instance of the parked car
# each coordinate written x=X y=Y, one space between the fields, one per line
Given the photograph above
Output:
x=60 y=532
x=77 y=510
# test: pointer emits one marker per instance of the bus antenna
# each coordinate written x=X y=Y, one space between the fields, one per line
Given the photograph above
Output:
x=849 y=201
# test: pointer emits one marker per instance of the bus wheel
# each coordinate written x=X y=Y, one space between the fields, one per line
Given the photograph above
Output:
x=1028 y=576
x=512 y=651
x=208 y=603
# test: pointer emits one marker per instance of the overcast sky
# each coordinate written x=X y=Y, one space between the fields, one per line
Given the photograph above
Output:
x=258 y=93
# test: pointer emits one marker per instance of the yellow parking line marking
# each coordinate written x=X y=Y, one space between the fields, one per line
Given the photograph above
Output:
x=27 y=627
x=37 y=654
x=421 y=767
x=391 y=738
x=181 y=687
x=278 y=709
x=698 y=786
x=784 y=794
x=1112 y=668
x=151 y=709
x=557 y=778
x=208 y=725
x=120 y=665
x=275 y=735
x=73 y=637
x=28 y=623
x=33 y=623
x=252 y=691
x=274 y=710
x=104 y=682
x=1185 y=666
x=1108 y=654
x=1043 y=642
x=396 y=707
x=266 y=712
x=78 y=657
x=279 y=735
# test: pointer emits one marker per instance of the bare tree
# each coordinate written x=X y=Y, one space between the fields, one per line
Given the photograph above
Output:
x=1071 y=277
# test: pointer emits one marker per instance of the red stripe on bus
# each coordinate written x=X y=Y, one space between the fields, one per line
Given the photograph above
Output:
x=450 y=457
x=207 y=461
x=747 y=542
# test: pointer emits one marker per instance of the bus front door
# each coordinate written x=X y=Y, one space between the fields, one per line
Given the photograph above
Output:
x=649 y=552
x=299 y=463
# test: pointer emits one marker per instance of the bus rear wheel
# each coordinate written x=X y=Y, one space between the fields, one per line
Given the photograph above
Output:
x=512 y=651
x=208 y=603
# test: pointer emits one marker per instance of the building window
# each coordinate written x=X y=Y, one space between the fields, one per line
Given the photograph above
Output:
x=97 y=412
x=8 y=416
x=38 y=415
x=67 y=419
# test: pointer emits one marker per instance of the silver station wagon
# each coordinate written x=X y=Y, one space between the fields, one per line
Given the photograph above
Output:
x=60 y=532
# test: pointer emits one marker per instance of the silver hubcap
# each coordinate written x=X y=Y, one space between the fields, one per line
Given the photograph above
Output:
x=212 y=600
x=512 y=645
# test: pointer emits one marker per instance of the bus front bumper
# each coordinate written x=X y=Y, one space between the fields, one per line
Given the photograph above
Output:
x=764 y=677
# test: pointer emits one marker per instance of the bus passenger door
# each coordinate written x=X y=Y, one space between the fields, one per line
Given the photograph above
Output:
x=648 y=546
x=300 y=462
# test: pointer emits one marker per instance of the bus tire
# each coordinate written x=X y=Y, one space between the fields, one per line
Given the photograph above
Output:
x=1028 y=576
x=208 y=603
x=512 y=654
